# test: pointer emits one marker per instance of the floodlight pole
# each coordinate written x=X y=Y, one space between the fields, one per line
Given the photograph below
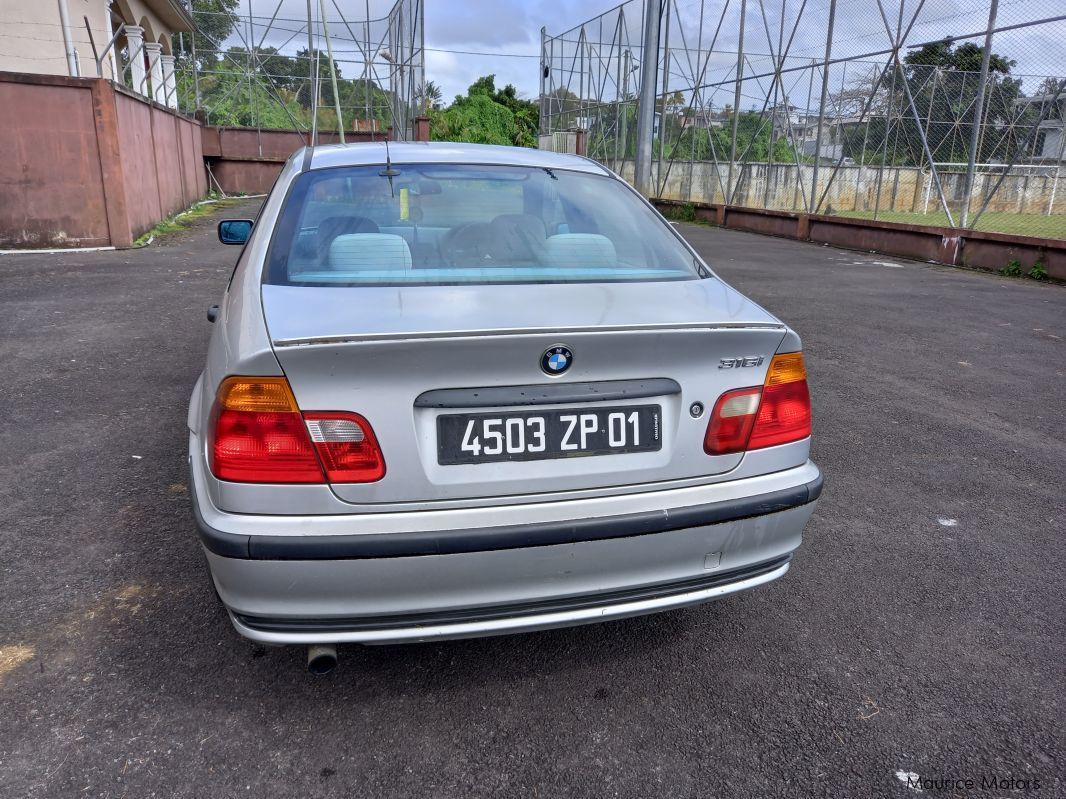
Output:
x=648 y=80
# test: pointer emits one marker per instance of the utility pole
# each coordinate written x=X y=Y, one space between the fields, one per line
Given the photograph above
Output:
x=648 y=80
x=979 y=103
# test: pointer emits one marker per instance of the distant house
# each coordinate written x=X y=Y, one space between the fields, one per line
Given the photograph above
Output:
x=1048 y=145
x=53 y=38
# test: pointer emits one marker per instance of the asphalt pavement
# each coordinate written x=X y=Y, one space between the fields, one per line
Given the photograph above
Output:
x=919 y=632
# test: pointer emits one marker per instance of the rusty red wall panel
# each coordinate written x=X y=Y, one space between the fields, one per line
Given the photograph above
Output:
x=50 y=174
x=90 y=164
x=923 y=245
x=138 y=163
x=770 y=223
x=168 y=162
x=995 y=251
x=245 y=177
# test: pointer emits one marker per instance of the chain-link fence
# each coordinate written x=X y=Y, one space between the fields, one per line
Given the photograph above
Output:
x=274 y=72
x=937 y=112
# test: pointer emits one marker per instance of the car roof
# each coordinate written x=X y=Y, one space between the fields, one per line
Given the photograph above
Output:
x=333 y=155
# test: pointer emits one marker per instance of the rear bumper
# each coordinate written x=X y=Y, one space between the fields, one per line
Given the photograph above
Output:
x=395 y=587
x=519 y=618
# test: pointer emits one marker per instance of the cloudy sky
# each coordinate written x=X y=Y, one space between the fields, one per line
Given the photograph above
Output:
x=466 y=39
x=505 y=29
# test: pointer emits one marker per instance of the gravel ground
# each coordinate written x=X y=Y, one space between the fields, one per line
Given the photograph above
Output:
x=920 y=630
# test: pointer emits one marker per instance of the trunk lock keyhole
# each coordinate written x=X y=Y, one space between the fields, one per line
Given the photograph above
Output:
x=696 y=409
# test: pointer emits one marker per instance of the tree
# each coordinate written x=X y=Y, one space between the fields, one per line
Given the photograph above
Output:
x=944 y=81
x=964 y=58
x=487 y=115
x=215 y=20
x=428 y=96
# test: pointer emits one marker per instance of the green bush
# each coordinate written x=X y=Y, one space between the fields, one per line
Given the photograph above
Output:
x=1012 y=269
x=1038 y=272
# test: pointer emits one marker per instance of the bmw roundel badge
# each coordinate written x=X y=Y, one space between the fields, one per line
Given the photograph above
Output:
x=556 y=360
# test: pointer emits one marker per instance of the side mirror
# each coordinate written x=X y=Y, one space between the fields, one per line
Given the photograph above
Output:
x=234 y=231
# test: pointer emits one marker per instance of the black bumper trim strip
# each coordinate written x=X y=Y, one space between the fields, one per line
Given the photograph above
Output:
x=488 y=539
x=511 y=611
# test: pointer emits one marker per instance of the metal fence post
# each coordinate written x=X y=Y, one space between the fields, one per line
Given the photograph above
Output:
x=736 y=103
x=646 y=117
x=821 y=105
x=543 y=77
x=975 y=131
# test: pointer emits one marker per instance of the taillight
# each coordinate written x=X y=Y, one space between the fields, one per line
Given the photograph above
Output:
x=258 y=435
x=754 y=418
x=346 y=446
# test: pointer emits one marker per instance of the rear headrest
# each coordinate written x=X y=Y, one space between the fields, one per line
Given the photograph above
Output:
x=369 y=252
x=333 y=226
x=581 y=249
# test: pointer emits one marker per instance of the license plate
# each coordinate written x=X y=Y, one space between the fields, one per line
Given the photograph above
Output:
x=539 y=435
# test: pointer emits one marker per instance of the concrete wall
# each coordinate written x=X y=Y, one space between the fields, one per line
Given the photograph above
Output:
x=89 y=164
x=944 y=245
x=50 y=175
x=854 y=188
x=248 y=160
x=162 y=161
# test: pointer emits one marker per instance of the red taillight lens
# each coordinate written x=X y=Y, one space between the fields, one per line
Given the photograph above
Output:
x=784 y=415
x=732 y=420
x=755 y=418
x=346 y=446
x=258 y=435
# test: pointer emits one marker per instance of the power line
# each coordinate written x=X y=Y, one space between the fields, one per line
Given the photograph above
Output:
x=476 y=52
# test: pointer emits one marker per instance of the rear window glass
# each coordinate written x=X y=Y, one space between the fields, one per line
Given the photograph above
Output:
x=453 y=224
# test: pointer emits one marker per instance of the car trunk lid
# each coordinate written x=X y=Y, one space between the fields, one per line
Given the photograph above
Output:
x=405 y=356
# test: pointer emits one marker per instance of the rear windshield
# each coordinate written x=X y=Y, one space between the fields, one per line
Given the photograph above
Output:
x=451 y=224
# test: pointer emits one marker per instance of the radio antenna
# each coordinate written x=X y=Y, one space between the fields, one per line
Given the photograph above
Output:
x=388 y=171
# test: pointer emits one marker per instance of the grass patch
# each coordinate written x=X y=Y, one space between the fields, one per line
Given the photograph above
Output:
x=180 y=221
x=686 y=212
x=1047 y=227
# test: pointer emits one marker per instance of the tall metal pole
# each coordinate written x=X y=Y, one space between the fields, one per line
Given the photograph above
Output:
x=367 y=67
x=648 y=79
x=312 y=73
x=626 y=69
x=195 y=71
x=619 y=97
x=736 y=103
x=666 y=90
x=821 y=104
x=332 y=70
x=543 y=77
x=975 y=132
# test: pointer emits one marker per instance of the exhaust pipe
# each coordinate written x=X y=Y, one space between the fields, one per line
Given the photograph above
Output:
x=321 y=658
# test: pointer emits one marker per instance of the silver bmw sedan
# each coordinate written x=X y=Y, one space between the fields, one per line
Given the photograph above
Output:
x=464 y=390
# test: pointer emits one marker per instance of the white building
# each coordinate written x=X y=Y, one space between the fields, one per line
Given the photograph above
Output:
x=58 y=37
